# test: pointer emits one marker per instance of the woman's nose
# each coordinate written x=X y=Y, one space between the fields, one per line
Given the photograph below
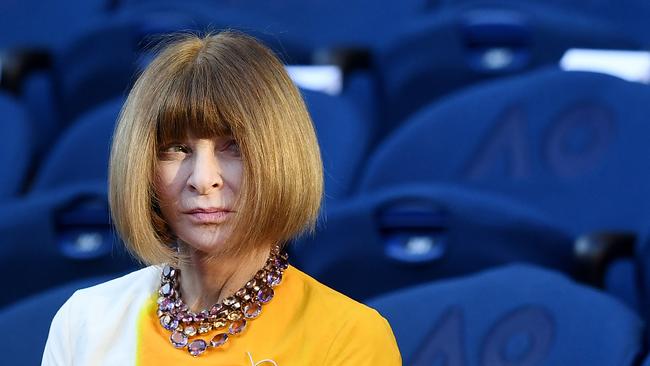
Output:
x=205 y=172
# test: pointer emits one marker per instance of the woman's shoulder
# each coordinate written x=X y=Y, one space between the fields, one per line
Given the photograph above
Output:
x=140 y=281
x=360 y=334
x=319 y=295
x=116 y=294
x=99 y=309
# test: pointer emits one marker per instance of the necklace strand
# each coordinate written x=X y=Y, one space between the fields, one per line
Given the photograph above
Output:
x=229 y=317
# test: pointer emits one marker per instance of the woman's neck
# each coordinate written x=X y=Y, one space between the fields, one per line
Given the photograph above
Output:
x=208 y=280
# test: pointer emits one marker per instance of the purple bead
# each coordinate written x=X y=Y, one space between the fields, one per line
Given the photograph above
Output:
x=252 y=310
x=237 y=326
x=273 y=278
x=281 y=263
x=265 y=295
x=241 y=293
x=187 y=319
x=219 y=340
x=178 y=339
x=168 y=272
x=168 y=322
x=205 y=328
x=197 y=347
x=166 y=305
x=180 y=306
x=166 y=289
x=190 y=330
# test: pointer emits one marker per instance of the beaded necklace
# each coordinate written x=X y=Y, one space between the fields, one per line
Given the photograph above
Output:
x=229 y=317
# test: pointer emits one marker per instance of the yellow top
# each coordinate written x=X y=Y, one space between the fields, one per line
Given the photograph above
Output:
x=306 y=324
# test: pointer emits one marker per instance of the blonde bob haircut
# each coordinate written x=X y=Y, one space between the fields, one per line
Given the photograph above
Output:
x=217 y=85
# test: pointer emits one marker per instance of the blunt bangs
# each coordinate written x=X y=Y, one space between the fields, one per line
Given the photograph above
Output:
x=194 y=105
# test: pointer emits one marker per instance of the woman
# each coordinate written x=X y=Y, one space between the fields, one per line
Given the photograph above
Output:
x=214 y=167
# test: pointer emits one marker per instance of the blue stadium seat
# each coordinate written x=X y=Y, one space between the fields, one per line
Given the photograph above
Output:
x=37 y=95
x=410 y=234
x=514 y=315
x=46 y=24
x=16 y=149
x=93 y=67
x=629 y=17
x=85 y=76
x=570 y=144
x=621 y=280
x=643 y=275
x=160 y=17
x=82 y=77
x=81 y=153
x=30 y=319
x=457 y=46
x=318 y=25
x=56 y=237
x=97 y=66
x=345 y=138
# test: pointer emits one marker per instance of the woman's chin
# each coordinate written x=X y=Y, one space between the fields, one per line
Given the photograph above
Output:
x=206 y=245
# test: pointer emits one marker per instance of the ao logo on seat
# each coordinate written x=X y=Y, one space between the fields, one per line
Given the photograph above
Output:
x=573 y=144
x=522 y=337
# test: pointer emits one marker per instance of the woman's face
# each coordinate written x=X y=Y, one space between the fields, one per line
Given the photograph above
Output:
x=197 y=181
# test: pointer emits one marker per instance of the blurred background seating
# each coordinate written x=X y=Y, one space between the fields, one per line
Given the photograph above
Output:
x=410 y=234
x=461 y=45
x=37 y=311
x=571 y=144
x=454 y=146
x=514 y=315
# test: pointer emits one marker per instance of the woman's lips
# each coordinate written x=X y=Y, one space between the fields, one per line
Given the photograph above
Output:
x=209 y=217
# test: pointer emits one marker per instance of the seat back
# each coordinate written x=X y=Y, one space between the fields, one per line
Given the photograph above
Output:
x=16 y=150
x=571 y=144
x=514 y=315
x=462 y=45
x=25 y=346
x=98 y=66
x=410 y=234
x=58 y=236
x=318 y=25
x=82 y=152
x=344 y=137
x=629 y=17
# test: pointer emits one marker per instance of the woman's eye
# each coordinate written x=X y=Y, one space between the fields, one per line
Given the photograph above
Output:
x=178 y=148
x=232 y=146
x=175 y=149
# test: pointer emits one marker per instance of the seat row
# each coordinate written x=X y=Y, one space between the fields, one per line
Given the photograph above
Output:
x=422 y=56
x=560 y=148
